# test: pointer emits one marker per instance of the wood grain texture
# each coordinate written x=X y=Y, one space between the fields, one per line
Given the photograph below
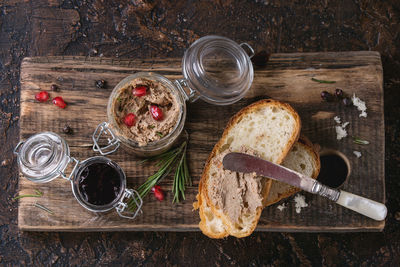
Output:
x=286 y=78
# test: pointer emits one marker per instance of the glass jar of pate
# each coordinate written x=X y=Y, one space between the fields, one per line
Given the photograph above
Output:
x=98 y=183
x=215 y=69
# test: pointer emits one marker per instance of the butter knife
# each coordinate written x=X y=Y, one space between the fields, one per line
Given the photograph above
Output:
x=240 y=162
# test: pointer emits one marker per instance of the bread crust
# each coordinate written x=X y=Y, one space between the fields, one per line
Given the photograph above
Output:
x=267 y=184
x=199 y=204
x=203 y=226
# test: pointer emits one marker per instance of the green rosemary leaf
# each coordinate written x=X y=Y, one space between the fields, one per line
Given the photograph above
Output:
x=161 y=156
x=166 y=164
x=151 y=126
x=159 y=134
x=38 y=194
x=181 y=176
x=43 y=208
x=359 y=141
x=186 y=171
x=322 y=81
x=174 y=159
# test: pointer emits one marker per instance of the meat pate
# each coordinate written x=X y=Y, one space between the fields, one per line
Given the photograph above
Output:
x=235 y=193
x=145 y=129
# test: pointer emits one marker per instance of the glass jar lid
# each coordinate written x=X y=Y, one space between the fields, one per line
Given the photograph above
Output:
x=42 y=157
x=218 y=69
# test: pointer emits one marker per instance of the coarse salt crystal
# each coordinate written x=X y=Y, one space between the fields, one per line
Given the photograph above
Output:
x=281 y=207
x=300 y=202
x=340 y=129
x=357 y=153
x=360 y=105
x=340 y=132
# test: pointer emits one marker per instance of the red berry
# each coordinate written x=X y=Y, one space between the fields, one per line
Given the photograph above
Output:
x=158 y=192
x=59 y=102
x=42 y=96
x=139 y=91
x=129 y=119
x=156 y=112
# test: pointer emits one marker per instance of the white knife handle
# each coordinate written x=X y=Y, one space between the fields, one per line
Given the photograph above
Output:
x=362 y=205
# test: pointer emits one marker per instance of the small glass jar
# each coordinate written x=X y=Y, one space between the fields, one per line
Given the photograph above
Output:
x=111 y=127
x=45 y=156
x=215 y=69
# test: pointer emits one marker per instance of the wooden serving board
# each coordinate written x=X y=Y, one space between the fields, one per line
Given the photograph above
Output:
x=287 y=78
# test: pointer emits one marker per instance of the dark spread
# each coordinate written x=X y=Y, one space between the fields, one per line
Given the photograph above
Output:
x=99 y=184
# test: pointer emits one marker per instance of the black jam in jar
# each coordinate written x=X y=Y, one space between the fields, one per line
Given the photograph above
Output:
x=99 y=184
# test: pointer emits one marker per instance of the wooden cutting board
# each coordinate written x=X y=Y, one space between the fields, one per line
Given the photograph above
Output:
x=287 y=78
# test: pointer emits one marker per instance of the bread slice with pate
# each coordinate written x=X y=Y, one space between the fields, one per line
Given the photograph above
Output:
x=302 y=158
x=267 y=129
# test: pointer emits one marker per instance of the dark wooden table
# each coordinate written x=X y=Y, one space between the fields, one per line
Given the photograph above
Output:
x=160 y=28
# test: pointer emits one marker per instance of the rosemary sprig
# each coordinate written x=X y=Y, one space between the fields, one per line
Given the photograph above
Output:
x=38 y=194
x=359 y=141
x=174 y=158
x=37 y=205
x=181 y=178
x=321 y=81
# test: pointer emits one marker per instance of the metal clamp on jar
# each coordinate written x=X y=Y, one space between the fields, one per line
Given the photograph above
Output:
x=98 y=183
x=215 y=69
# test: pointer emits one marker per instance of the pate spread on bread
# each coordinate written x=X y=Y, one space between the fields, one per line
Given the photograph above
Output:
x=303 y=158
x=235 y=193
x=269 y=128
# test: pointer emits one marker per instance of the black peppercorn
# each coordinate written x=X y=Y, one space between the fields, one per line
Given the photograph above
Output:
x=339 y=93
x=100 y=83
x=347 y=101
x=54 y=88
x=326 y=96
x=67 y=129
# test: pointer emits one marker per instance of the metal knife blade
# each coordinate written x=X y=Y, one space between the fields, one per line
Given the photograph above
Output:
x=240 y=162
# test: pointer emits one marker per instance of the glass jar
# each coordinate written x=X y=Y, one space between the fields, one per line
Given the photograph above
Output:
x=215 y=69
x=45 y=156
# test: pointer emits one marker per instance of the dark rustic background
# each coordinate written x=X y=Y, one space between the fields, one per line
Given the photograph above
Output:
x=138 y=29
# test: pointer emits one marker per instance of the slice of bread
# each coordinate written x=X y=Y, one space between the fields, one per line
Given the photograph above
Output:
x=302 y=153
x=268 y=128
x=303 y=158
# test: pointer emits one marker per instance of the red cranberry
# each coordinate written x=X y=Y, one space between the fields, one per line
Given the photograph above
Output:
x=158 y=192
x=59 y=102
x=156 y=112
x=139 y=91
x=42 y=96
x=129 y=119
